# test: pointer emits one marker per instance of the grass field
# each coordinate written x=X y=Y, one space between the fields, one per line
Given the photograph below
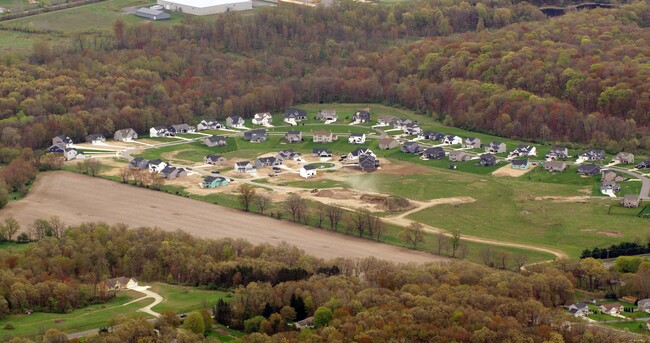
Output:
x=631 y=326
x=186 y=299
x=14 y=247
x=87 y=318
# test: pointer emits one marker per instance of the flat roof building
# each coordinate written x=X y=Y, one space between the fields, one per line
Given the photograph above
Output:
x=206 y=7
x=152 y=14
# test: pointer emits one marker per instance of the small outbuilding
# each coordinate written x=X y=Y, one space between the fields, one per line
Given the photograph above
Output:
x=152 y=14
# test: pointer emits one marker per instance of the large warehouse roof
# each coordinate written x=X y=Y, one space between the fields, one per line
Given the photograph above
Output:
x=206 y=3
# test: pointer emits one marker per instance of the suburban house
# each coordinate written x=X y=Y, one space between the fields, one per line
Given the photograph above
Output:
x=125 y=135
x=293 y=136
x=213 y=159
x=358 y=152
x=288 y=154
x=611 y=309
x=434 y=153
x=644 y=164
x=181 y=128
x=472 y=143
x=255 y=136
x=308 y=171
x=292 y=116
x=554 y=166
x=323 y=136
x=267 y=162
x=593 y=155
x=263 y=119
x=119 y=283
x=521 y=164
x=643 y=304
x=589 y=170
x=357 y=138
x=388 y=143
x=495 y=147
x=368 y=163
x=452 y=140
x=208 y=125
x=63 y=141
x=401 y=123
x=609 y=186
x=213 y=141
x=328 y=116
x=244 y=167
x=73 y=154
x=235 y=122
x=523 y=151
x=321 y=152
x=487 y=160
x=459 y=156
x=307 y=323
x=624 y=158
x=214 y=181
x=97 y=138
x=411 y=148
x=170 y=172
x=427 y=135
x=156 y=166
x=633 y=201
x=579 y=306
x=577 y=313
x=139 y=163
x=159 y=131
x=361 y=116
x=385 y=120
x=558 y=152
x=610 y=175
x=59 y=149
x=411 y=129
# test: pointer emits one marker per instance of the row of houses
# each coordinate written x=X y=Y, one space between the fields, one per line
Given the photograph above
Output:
x=158 y=166
x=581 y=309
x=170 y=131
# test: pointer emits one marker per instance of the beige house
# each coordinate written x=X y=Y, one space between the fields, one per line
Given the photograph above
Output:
x=624 y=158
x=555 y=166
x=388 y=143
x=120 y=283
x=459 y=156
x=324 y=136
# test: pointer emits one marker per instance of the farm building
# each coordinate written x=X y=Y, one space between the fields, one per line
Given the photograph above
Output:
x=152 y=14
x=206 y=7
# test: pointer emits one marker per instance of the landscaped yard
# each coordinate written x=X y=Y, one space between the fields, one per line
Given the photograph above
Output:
x=184 y=299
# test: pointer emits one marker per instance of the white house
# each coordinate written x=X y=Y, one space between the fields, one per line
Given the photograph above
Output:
x=357 y=138
x=156 y=166
x=95 y=139
x=73 y=154
x=308 y=171
x=452 y=140
x=292 y=116
x=263 y=119
x=208 y=125
x=611 y=309
x=358 y=152
x=235 y=122
x=159 y=131
x=523 y=151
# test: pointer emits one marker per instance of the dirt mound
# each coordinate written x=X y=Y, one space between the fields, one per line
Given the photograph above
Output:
x=325 y=193
x=388 y=203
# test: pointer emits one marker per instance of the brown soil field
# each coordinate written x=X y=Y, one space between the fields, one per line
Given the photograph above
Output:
x=77 y=198
x=507 y=170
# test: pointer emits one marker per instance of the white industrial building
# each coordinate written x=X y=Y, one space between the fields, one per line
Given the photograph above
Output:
x=206 y=7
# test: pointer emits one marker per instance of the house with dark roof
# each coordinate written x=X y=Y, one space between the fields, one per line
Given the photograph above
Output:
x=388 y=143
x=307 y=171
x=523 y=151
x=596 y=155
x=487 y=160
x=434 y=153
x=125 y=135
x=459 y=156
x=208 y=125
x=181 y=128
x=589 y=170
x=472 y=143
x=267 y=162
x=521 y=164
x=256 y=136
x=555 y=166
x=609 y=186
x=643 y=165
x=328 y=116
x=368 y=163
x=139 y=163
x=452 y=140
x=357 y=138
x=558 y=153
x=97 y=138
x=495 y=147
x=214 y=160
x=411 y=129
x=358 y=152
x=293 y=136
x=170 y=172
x=288 y=154
x=159 y=131
x=427 y=135
x=156 y=166
x=236 y=122
x=411 y=148
x=62 y=140
x=361 y=116
x=213 y=141
x=152 y=14
x=245 y=167
x=214 y=181
x=57 y=149
x=321 y=152
x=293 y=115
x=323 y=136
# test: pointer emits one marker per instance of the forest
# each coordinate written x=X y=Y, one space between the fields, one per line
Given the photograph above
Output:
x=496 y=67
x=365 y=300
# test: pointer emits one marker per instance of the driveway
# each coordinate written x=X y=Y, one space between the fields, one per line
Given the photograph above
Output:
x=148 y=294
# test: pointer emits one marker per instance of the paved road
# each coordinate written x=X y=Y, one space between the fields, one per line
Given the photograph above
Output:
x=645 y=186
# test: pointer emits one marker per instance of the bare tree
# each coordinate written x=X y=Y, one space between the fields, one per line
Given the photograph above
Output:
x=125 y=174
x=520 y=261
x=93 y=166
x=373 y=225
x=56 y=226
x=502 y=258
x=455 y=242
x=357 y=222
x=334 y=214
x=262 y=202
x=486 y=256
x=10 y=228
x=413 y=234
x=246 y=195
x=321 y=214
x=295 y=205
x=156 y=180
x=443 y=242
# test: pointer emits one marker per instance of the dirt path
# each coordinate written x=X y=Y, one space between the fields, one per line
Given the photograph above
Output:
x=78 y=198
x=157 y=299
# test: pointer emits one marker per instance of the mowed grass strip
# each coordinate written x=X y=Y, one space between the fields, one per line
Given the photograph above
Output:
x=184 y=299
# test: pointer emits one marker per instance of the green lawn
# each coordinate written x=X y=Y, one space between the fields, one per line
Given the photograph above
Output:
x=341 y=130
x=190 y=152
x=14 y=247
x=186 y=299
x=225 y=334
x=632 y=326
x=87 y=318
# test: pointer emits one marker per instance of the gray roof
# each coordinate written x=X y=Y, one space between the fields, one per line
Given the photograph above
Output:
x=519 y=162
x=309 y=167
x=149 y=11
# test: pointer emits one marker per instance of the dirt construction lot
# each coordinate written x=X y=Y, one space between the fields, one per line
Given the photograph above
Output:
x=77 y=198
